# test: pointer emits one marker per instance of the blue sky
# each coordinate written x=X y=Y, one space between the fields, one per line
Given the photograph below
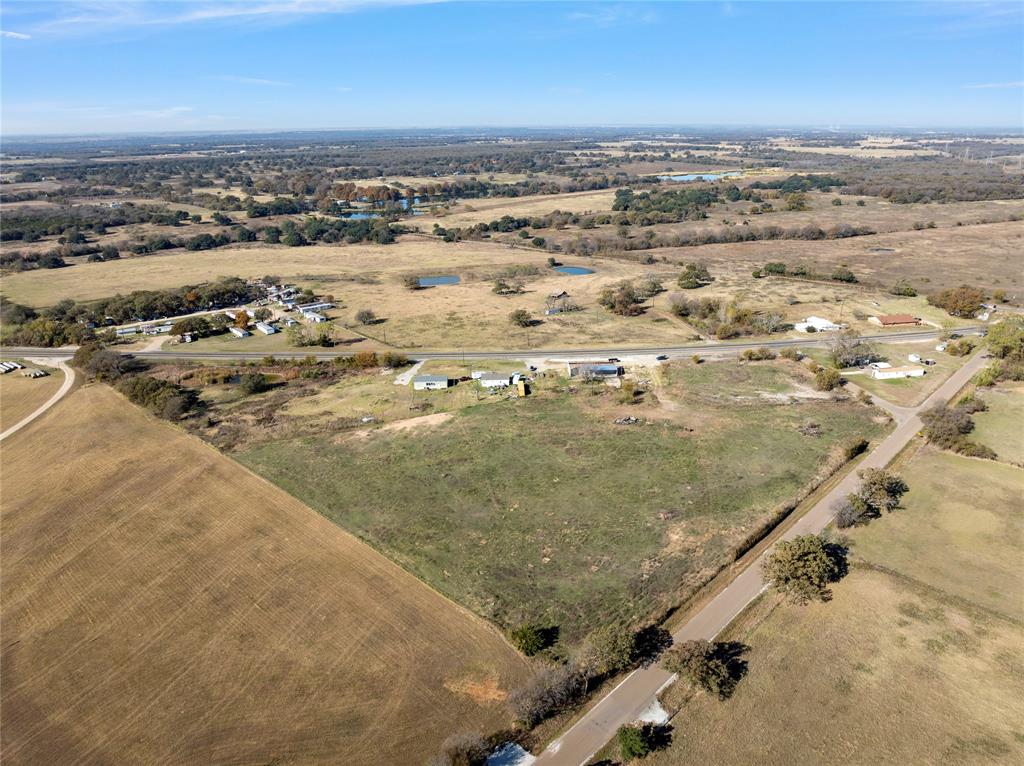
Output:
x=110 y=66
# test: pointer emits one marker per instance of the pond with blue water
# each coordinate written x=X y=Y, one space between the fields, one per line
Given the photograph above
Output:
x=439 y=280
x=702 y=176
x=574 y=270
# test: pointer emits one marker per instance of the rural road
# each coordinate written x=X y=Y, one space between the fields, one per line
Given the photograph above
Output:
x=627 y=701
x=69 y=379
x=584 y=353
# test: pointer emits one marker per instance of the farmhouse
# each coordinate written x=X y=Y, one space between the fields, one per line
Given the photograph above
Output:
x=894 y=320
x=816 y=324
x=429 y=382
x=238 y=332
x=266 y=329
x=893 y=373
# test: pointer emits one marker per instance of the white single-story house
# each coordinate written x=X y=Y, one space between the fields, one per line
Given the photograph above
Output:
x=891 y=373
x=238 y=332
x=429 y=382
x=314 y=317
x=289 y=322
x=266 y=329
x=494 y=379
x=818 y=323
x=315 y=306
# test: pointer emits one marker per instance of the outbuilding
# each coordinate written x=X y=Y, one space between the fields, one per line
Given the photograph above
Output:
x=893 y=373
x=430 y=382
x=894 y=320
x=816 y=324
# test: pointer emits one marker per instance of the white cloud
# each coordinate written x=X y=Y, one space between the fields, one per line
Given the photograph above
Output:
x=15 y=35
x=250 y=80
x=83 y=17
x=993 y=85
x=342 y=88
x=613 y=16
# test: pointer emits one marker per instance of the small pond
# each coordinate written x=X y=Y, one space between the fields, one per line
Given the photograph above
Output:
x=574 y=270
x=702 y=176
x=439 y=280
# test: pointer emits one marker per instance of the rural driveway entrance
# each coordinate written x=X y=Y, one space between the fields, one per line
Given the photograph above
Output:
x=69 y=379
x=627 y=701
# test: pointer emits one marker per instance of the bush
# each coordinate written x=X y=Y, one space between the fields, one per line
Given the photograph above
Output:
x=961 y=347
x=521 y=318
x=757 y=354
x=694 y=275
x=792 y=354
x=548 y=692
x=160 y=397
x=947 y=427
x=802 y=568
x=706 y=665
x=827 y=378
x=609 y=649
x=465 y=749
x=528 y=638
x=365 y=316
x=253 y=383
x=411 y=282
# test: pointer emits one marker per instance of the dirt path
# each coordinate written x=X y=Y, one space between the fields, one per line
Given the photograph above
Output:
x=69 y=380
x=635 y=693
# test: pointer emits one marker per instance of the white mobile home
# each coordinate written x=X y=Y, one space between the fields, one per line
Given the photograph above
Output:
x=894 y=373
x=494 y=379
x=266 y=329
x=314 y=317
x=430 y=382
x=238 y=332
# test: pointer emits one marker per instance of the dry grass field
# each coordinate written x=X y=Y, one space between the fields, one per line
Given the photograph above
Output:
x=20 y=396
x=917 y=659
x=475 y=211
x=1000 y=426
x=163 y=605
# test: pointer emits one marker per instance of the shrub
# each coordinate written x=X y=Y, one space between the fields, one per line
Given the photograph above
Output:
x=548 y=692
x=703 y=665
x=365 y=316
x=802 y=568
x=253 y=383
x=609 y=649
x=757 y=354
x=903 y=288
x=961 y=347
x=160 y=397
x=464 y=749
x=694 y=275
x=411 y=282
x=792 y=354
x=527 y=638
x=521 y=318
x=827 y=378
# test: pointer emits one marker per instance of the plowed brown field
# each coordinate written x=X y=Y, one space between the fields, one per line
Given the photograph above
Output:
x=161 y=604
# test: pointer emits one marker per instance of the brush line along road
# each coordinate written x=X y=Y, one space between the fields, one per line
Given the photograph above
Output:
x=627 y=701
x=672 y=351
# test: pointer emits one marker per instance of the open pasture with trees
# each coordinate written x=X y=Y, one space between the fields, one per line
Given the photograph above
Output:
x=545 y=510
x=915 y=659
x=163 y=604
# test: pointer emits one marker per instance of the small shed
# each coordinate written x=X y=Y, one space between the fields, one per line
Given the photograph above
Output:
x=429 y=382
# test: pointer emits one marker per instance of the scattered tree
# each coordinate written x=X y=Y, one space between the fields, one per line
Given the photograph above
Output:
x=365 y=316
x=963 y=301
x=694 y=275
x=802 y=568
x=521 y=318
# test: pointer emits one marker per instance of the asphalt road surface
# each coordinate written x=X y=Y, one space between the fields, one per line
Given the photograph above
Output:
x=627 y=701
x=709 y=349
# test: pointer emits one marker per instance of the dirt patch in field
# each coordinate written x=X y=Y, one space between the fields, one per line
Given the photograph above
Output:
x=409 y=424
x=483 y=691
